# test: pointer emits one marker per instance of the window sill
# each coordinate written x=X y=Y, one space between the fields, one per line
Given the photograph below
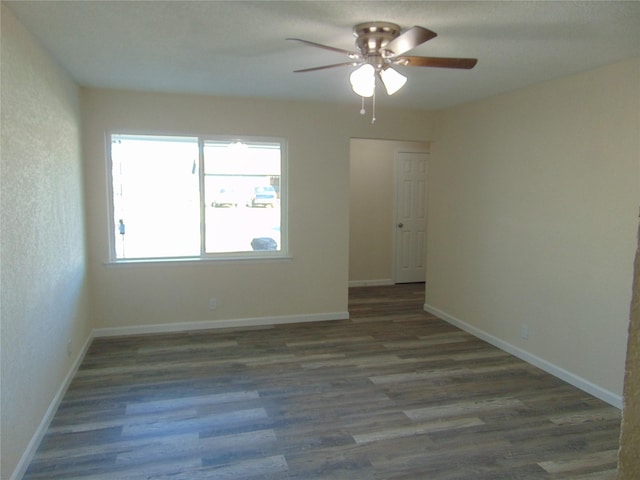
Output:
x=199 y=260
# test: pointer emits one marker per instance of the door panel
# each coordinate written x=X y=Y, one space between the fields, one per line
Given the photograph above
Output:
x=411 y=217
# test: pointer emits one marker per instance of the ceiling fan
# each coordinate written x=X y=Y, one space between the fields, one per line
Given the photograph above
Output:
x=381 y=45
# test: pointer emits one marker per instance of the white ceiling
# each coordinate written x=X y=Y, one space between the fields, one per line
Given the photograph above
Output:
x=238 y=48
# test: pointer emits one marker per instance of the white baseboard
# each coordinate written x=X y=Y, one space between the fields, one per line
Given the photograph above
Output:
x=371 y=283
x=213 y=324
x=575 y=380
x=37 y=437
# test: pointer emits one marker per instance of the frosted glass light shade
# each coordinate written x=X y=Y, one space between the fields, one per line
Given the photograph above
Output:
x=363 y=80
x=392 y=80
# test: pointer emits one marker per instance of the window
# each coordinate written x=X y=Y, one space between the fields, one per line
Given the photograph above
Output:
x=186 y=197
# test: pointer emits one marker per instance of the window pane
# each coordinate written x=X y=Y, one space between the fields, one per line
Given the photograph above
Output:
x=156 y=195
x=242 y=196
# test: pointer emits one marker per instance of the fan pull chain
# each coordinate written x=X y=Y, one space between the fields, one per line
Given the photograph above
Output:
x=363 y=111
x=373 y=118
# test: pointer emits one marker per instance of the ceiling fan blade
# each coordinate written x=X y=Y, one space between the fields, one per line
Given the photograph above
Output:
x=408 y=40
x=439 y=62
x=327 y=47
x=312 y=69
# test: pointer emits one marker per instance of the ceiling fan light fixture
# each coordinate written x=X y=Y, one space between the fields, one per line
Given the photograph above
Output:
x=380 y=45
x=363 y=80
x=392 y=80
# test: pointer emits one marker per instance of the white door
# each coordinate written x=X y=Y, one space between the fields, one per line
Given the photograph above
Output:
x=411 y=217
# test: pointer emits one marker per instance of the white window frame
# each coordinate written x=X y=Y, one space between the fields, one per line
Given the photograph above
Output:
x=281 y=253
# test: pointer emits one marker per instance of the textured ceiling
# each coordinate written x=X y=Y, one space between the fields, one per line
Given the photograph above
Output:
x=238 y=48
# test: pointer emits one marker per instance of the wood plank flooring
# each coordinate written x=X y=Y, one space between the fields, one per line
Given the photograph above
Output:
x=392 y=393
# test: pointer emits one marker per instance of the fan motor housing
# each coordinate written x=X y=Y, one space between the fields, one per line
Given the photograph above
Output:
x=372 y=36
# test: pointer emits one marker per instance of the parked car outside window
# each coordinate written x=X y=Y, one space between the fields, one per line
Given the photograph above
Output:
x=264 y=196
x=225 y=197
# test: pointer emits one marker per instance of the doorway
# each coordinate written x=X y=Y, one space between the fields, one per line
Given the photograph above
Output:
x=373 y=215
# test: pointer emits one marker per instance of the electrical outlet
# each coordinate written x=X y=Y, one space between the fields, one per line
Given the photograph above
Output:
x=69 y=348
x=524 y=333
x=213 y=304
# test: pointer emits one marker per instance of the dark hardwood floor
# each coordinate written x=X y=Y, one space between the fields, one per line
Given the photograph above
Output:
x=392 y=393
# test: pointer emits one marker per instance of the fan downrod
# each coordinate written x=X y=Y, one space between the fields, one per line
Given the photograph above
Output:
x=371 y=37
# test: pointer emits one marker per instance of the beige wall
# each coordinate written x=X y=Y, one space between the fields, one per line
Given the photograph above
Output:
x=42 y=280
x=533 y=206
x=372 y=202
x=313 y=282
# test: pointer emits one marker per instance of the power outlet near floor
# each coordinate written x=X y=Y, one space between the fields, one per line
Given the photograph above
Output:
x=524 y=333
x=213 y=304
x=69 y=348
